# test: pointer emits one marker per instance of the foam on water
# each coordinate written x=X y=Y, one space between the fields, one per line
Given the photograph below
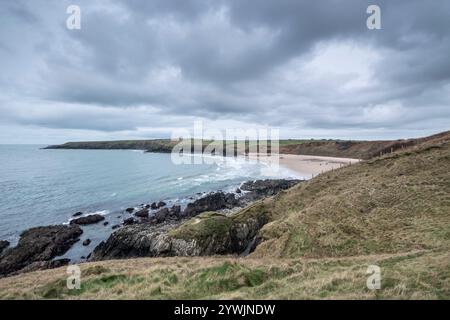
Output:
x=45 y=187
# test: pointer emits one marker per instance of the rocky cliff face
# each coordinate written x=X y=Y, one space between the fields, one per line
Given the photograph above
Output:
x=38 y=246
x=209 y=233
x=197 y=231
x=207 y=226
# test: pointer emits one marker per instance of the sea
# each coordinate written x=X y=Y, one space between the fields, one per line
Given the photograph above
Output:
x=40 y=187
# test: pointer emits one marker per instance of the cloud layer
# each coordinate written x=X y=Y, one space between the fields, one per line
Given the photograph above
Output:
x=139 y=69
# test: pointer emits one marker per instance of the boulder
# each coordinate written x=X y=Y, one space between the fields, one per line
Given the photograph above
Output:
x=105 y=223
x=77 y=214
x=175 y=211
x=39 y=245
x=91 y=219
x=3 y=245
x=211 y=202
x=129 y=210
x=115 y=226
x=86 y=242
x=268 y=187
x=142 y=213
x=154 y=206
x=162 y=215
x=138 y=240
x=129 y=221
x=161 y=204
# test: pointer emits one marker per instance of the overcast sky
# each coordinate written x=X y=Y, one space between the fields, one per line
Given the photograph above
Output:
x=140 y=69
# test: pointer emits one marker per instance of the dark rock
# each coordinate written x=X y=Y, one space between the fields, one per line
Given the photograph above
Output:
x=39 y=244
x=139 y=240
x=77 y=214
x=115 y=226
x=142 y=213
x=144 y=240
x=3 y=245
x=175 y=211
x=41 y=265
x=154 y=206
x=129 y=210
x=211 y=202
x=161 y=204
x=86 y=242
x=238 y=190
x=162 y=215
x=243 y=235
x=268 y=187
x=105 y=223
x=147 y=206
x=219 y=234
x=129 y=221
x=93 y=218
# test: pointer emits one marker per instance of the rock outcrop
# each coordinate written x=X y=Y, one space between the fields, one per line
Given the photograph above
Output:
x=41 y=265
x=268 y=187
x=142 y=213
x=157 y=205
x=196 y=230
x=211 y=202
x=3 y=245
x=91 y=219
x=128 y=221
x=39 y=245
x=207 y=234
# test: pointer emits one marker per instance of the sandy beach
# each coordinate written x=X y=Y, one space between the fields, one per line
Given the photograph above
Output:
x=304 y=165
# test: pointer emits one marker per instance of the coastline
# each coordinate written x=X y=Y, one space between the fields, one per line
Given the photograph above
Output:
x=307 y=166
x=150 y=221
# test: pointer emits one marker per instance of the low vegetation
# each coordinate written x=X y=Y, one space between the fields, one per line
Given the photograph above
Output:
x=330 y=148
x=392 y=211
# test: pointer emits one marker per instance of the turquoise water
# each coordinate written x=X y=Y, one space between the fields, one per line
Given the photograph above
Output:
x=43 y=187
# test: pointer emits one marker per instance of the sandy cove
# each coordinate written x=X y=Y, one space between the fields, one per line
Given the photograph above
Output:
x=305 y=165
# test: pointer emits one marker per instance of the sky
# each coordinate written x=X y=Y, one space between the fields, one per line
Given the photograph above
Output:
x=142 y=69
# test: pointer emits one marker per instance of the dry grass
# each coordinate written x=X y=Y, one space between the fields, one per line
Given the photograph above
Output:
x=393 y=204
x=419 y=275
x=392 y=211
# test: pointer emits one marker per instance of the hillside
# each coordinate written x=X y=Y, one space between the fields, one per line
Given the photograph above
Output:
x=392 y=211
x=330 y=148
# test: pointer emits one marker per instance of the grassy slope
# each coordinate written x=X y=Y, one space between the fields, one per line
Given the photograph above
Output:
x=331 y=148
x=393 y=211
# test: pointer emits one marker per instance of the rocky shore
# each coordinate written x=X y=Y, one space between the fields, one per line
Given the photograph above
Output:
x=37 y=247
x=215 y=223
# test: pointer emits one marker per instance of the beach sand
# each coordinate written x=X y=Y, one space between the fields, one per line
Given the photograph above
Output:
x=304 y=165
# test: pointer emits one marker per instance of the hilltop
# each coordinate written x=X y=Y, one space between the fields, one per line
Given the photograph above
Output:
x=392 y=211
x=330 y=148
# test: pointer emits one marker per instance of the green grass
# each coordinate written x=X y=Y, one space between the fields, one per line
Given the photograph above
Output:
x=392 y=211
x=203 y=226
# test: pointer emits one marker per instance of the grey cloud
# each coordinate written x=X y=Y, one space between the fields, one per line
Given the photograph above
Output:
x=227 y=60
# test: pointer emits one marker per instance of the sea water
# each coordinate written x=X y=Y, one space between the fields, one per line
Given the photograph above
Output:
x=41 y=187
